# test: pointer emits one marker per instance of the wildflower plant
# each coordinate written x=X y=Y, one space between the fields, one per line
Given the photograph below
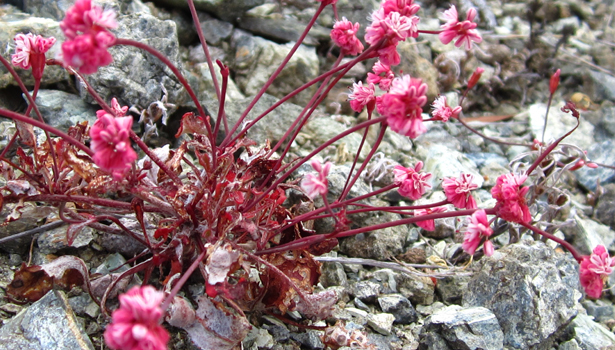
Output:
x=224 y=207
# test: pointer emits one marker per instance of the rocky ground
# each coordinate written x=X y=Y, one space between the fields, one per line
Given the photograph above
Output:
x=526 y=295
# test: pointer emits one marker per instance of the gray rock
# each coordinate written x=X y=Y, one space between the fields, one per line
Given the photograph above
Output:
x=602 y=310
x=215 y=31
x=113 y=263
x=52 y=241
x=455 y=327
x=228 y=10
x=482 y=159
x=310 y=339
x=443 y=162
x=14 y=22
x=282 y=28
x=569 y=345
x=366 y=291
x=122 y=244
x=590 y=335
x=420 y=290
x=322 y=130
x=558 y=124
x=63 y=110
x=451 y=288
x=134 y=76
x=606 y=122
x=531 y=289
x=30 y=218
x=377 y=244
x=399 y=306
x=605 y=210
x=587 y=234
x=381 y=323
x=603 y=152
x=47 y=324
x=256 y=59
x=333 y=274
x=602 y=85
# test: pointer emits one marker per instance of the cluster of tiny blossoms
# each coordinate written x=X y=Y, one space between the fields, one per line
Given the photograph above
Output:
x=137 y=323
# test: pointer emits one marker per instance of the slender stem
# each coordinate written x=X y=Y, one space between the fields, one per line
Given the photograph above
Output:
x=544 y=154
x=275 y=74
x=491 y=138
x=544 y=128
x=348 y=186
x=562 y=242
x=312 y=154
x=90 y=200
x=43 y=228
x=199 y=31
x=394 y=210
x=155 y=158
x=182 y=280
x=175 y=71
x=51 y=129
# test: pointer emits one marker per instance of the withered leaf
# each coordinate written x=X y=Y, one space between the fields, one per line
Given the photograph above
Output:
x=30 y=283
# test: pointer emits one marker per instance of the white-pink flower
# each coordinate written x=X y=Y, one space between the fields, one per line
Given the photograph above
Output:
x=362 y=96
x=111 y=144
x=594 y=270
x=412 y=183
x=30 y=51
x=458 y=191
x=136 y=324
x=383 y=75
x=402 y=106
x=429 y=225
x=315 y=185
x=344 y=35
x=442 y=111
x=478 y=228
x=464 y=31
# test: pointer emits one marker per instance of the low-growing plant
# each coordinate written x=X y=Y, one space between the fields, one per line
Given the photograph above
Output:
x=234 y=209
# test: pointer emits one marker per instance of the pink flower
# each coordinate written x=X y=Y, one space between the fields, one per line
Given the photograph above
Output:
x=314 y=185
x=390 y=28
x=511 y=205
x=136 y=324
x=457 y=191
x=118 y=110
x=383 y=76
x=475 y=77
x=30 y=52
x=402 y=106
x=362 y=96
x=405 y=8
x=83 y=17
x=344 y=35
x=463 y=31
x=595 y=270
x=428 y=225
x=442 y=111
x=85 y=27
x=111 y=144
x=412 y=183
x=478 y=228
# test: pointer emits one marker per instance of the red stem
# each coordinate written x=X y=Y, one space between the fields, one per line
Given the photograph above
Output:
x=563 y=243
x=210 y=64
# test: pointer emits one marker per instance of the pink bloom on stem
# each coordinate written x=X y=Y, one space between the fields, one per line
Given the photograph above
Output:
x=428 y=225
x=85 y=27
x=391 y=28
x=554 y=81
x=405 y=8
x=344 y=35
x=595 y=270
x=118 y=110
x=383 y=76
x=30 y=52
x=111 y=144
x=475 y=77
x=315 y=185
x=511 y=204
x=412 y=183
x=457 y=191
x=478 y=228
x=362 y=96
x=442 y=111
x=402 y=106
x=136 y=324
x=464 y=31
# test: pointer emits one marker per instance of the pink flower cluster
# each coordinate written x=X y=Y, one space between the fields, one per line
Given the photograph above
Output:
x=30 y=51
x=362 y=96
x=383 y=76
x=429 y=225
x=111 y=141
x=511 y=204
x=478 y=229
x=457 y=191
x=402 y=106
x=344 y=35
x=88 y=39
x=136 y=324
x=595 y=270
x=392 y=23
x=412 y=183
x=464 y=31
x=442 y=111
x=315 y=185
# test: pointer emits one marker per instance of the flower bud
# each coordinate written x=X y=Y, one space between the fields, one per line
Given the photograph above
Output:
x=554 y=82
x=475 y=77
